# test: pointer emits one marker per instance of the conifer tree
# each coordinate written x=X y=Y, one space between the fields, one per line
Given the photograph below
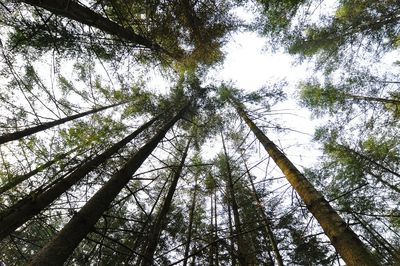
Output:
x=342 y=237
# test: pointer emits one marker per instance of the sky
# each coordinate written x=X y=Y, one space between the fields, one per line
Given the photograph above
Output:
x=249 y=64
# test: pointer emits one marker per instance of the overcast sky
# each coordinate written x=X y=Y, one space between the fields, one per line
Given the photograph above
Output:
x=249 y=65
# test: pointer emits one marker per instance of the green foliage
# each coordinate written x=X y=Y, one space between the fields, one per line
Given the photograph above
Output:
x=358 y=171
x=350 y=30
x=304 y=248
x=381 y=149
x=279 y=14
x=266 y=96
x=190 y=33
x=321 y=99
x=209 y=182
x=88 y=133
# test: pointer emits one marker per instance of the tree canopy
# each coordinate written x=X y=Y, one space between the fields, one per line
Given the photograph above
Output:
x=118 y=146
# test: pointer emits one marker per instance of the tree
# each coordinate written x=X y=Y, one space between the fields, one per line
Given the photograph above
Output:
x=244 y=253
x=17 y=179
x=56 y=251
x=352 y=27
x=88 y=17
x=191 y=219
x=186 y=32
x=342 y=237
x=115 y=187
x=268 y=229
x=330 y=98
x=31 y=205
x=159 y=223
x=29 y=131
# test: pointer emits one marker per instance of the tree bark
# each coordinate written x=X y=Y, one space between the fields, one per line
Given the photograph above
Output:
x=346 y=242
x=23 y=210
x=57 y=251
x=75 y=11
x=216 y=227
x=160 y=221
x=32 y=130
x=190 y=228
x=232 y=252
x=211 y=249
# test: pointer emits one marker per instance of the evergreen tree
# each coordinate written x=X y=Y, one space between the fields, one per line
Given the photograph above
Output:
x=194 y=185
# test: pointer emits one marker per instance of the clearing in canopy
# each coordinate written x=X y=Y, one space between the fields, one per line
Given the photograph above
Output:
x=123 y=143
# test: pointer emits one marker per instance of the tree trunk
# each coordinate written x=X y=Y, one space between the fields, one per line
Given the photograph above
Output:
x=267 y=223
x=57 y=251
x=23 y=210
x=390 y=249
x=244 y=255
x=216 y=227
x=160 y=221
x=193 y=263
x=373 y=99
x=18 y=179
x=75 y=11
x=191 y=214
x=363 y=157
x=346 y=242
x=232 y=240
x=366 y=158
x=384 y=182
x=211 y=248
x=32 y=130
x=143 y=229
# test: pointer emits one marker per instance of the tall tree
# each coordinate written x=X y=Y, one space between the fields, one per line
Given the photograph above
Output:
x=85 y=15
x=341 y=32
x=160 y=220
x=244 y=253
x=267 y=223
x=17 y=179
x=32 y=130
x=346 y=242
x=191 y=219
x=23 y=210
x=61 y=247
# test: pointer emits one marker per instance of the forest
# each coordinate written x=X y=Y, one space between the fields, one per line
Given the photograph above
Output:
x=118 y=146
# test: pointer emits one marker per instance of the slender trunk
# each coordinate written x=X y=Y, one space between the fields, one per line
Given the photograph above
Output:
x=373 y=162
x=362 y=156
x=373 y=99
x=191 y=214
x=23 y=210
x=144 y=227
x=346 y=242
x=216 y=227
x=160 y=221
x=18 y=179
x=211 y=249
x=267 y=222
x=32 y=130
x=75 y=11
x=393 y=251
x=193 y=263
x=57 y=251
x=384 y=182
x=232 y=240
x=245 y=256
